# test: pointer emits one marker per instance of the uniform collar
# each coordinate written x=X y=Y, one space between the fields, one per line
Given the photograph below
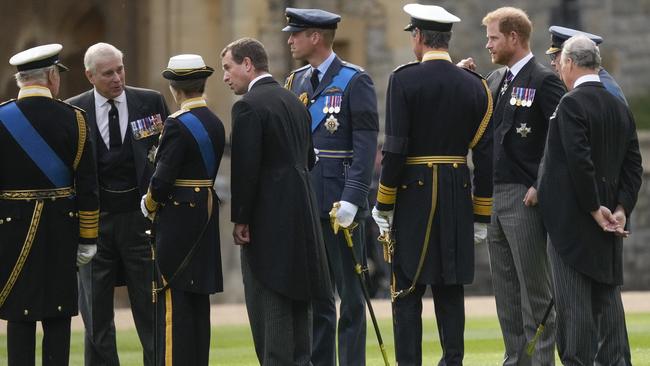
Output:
x=436 y=55
x=322 y=68
x=194 y=103
x=585 y=79
x=34 y=91
x=520 y=64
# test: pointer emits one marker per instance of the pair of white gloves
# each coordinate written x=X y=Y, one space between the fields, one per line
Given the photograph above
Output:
x=85 y=252
x=384 y=220
x=143 y=208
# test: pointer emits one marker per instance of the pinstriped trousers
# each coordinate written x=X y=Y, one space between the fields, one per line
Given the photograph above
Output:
x=587 y=310
x=520 y=275
x=281 y=327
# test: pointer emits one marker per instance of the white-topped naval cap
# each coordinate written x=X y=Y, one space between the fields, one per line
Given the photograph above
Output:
x=38 y=57
x=429 y=17
x=186 y=66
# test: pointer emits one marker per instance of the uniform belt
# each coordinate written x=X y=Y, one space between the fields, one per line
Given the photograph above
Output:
x=33 y=194
x=436 y=159
x=335 y=154
x=193 y=183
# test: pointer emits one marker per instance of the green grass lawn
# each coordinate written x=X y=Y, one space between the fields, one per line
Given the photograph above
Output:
x=232 y=345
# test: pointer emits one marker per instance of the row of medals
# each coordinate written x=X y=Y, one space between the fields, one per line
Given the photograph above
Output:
x=522 y=97
x=332 y=104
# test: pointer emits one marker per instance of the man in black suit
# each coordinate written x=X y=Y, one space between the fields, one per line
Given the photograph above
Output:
x=525 y=95
x=48 y=209
x=342 y=103
x=274 y=208
x=588 y=186
x=185 y=209
x=426 y=182
x=125 y=125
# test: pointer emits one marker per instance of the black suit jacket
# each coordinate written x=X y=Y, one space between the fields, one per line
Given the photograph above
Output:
x=592 y=159
x=140 y=103
x=271 y=192
x=517 y=155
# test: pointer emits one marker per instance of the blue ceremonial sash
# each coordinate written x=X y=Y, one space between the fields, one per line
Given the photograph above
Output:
x=201 y=136
x=33 y=144
x=341 y=81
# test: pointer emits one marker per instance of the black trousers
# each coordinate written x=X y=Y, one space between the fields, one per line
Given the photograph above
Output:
x=122 y=250
x=183 y=328
x=449 y=304
x=21 y=342
x=352 y=311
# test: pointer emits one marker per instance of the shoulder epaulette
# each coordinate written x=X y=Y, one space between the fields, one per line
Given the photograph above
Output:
x=178 y=113
x=401 y=67
x=352 y=66
x=300 y=69
x=474 y=73
x=70 y=105
x=7 y=102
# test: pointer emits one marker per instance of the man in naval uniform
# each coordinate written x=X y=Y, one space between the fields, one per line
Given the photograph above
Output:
x=48 y=209
x=343 y=106
x=435 y=113
x=559 y=35
x=125 y=124
x=185 y=209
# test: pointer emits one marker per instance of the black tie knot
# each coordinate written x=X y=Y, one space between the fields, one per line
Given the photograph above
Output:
x=314 y=79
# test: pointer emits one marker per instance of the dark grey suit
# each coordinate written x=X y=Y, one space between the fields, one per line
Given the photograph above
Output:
x=123 y=252
x=592 y=160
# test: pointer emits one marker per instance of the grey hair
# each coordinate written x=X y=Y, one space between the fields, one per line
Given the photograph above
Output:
x=34 y=76
x=98 y=51
x=434 y=39
x=582 y=51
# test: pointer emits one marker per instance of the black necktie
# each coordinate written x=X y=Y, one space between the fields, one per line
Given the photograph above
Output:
x=314 y=79
x=114 y=135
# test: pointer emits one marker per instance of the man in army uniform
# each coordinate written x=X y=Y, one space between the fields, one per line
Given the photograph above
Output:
x=435 y=111
x=48 y=209
x=559 y=35
x=186 y=210
x=343 y=106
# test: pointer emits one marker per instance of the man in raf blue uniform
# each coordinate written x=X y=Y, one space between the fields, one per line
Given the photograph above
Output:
x=343 y=106
x=48 y=209
x=559 y=35
x=435 y=113
x=185 y=207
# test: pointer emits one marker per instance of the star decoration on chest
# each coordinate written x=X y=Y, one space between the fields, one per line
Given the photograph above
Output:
x=331 y=124
x=524 y=130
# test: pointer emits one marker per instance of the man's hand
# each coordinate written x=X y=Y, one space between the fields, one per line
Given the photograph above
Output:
x=346 y=213
x=384 y=219
x=605 y=219
x=621 y=219
x=145 y=211
x=85 y=252
x=241 y=234
x=467 y=63
x=480 y=232
x=530 y=199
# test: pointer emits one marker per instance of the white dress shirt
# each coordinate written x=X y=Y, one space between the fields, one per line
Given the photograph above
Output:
x=102 y=107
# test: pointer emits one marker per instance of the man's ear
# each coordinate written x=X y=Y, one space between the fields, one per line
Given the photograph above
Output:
x=89 y=76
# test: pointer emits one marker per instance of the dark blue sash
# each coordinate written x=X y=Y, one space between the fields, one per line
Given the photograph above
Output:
x=201 y=136
x=33 y=144
x=341 y=81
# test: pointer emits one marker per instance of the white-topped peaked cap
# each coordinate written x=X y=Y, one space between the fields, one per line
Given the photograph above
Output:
x=186 y=67
x=429 y=17
x=38 y=57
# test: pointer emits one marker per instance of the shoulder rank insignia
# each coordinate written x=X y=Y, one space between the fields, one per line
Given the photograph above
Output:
x=473 y=73
x=178 y=113
x=400 y=67
x=70 y=105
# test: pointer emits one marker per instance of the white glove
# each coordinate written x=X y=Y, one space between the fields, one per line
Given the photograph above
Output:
x=480 y=232
x=316 y=152
x=143 y=208
x=85 y=252
x=346 y=213
x=384 y=219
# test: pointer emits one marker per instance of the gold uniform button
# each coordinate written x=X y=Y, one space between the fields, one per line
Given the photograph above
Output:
x=455 y=165
x=71 y=214
x=8 y=219
x=197 y=189
x=58 y=308
x=464 y=185
x=26 y=312
x=403 y=186
x=420 y=183
x=430 y=165
x=192 y=204
x=176 y=203
x=2 y=221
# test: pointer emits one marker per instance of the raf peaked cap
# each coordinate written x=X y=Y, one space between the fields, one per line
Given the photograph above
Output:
x=429 y=17
x=38 y=58
x=301 y=19
x=186 y=67
x=559 y=35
